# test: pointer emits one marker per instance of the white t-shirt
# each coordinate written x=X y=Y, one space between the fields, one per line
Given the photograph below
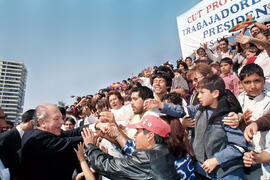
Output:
x=263 y=60
x=259 y=106
x=125 y=113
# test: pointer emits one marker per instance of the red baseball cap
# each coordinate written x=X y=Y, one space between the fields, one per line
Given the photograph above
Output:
x=154 y=124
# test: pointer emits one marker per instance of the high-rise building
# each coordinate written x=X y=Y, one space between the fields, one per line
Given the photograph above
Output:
x=12 y=88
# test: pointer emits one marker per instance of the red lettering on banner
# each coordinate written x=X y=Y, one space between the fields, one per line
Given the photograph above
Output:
x=215 y=5
x=194 y=17
x=208 y=8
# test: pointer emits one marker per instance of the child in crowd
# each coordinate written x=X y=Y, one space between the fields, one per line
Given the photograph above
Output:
x=251 y=54
x=255 y=102
x=218 y=148
x=215 y=68
x=231 y=80
x=189 y=62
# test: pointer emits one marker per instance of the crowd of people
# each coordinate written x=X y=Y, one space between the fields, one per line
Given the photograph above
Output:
x=207 y=118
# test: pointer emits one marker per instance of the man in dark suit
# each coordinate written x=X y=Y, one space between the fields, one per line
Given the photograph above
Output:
x=47 y=151
x=10 y=142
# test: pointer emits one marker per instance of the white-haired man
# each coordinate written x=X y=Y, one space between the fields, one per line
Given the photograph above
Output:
x=47 y=151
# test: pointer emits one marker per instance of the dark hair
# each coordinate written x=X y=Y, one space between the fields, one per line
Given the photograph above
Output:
x=101 y=104
x=212 y=82
x=164 y=76
x=239 y=48
x=254 y=27
x=188 y=58
x=28 y=115
x=223 y=39
x=168 y=64
x=267 y=22
x=178 y=70
x=165 y=69
x=127 y=98
x=253 y=49
x=250 y=69
x=78 y=99
x=79 y=108
x=70 y=119
x=144 y=92
x=117 y=94
x=174 y=98
x=183 y=64
x=11 y=124
x=266 y=33
x=226 y=60
x=200 y=49
x=158 y=139
x=62 y=110
x=177 y=143
x=203 y=69
x=135 y=83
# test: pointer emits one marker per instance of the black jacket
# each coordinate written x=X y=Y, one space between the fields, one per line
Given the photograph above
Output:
x=10 y=143
x=45 y=156
x=156 y=163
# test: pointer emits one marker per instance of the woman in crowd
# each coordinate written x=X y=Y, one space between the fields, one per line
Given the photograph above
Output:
x=69 y=123
x=121 y=112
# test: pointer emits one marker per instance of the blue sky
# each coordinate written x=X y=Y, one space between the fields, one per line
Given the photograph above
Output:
x=75 y=47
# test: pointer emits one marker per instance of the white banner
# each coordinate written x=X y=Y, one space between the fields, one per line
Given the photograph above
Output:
x=211 y=20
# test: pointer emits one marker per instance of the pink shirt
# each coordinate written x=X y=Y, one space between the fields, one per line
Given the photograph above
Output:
x=231 y=82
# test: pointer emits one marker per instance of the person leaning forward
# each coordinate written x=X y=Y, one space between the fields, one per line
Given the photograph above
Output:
x=150 y=160
x=47 y=151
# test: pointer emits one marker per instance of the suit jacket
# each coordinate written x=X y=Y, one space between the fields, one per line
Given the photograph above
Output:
x=10 y=143
x=46 y=156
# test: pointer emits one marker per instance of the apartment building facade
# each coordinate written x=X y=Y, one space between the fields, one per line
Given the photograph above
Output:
x=12 y=88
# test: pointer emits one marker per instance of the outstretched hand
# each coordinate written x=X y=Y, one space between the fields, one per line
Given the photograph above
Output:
x=152 y=103
x=242 y=39
x=88 y=136
x=80 y=152
x=107 y=116
x=113 y=131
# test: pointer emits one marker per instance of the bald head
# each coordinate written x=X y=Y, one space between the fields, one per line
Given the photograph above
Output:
x=48 y=118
